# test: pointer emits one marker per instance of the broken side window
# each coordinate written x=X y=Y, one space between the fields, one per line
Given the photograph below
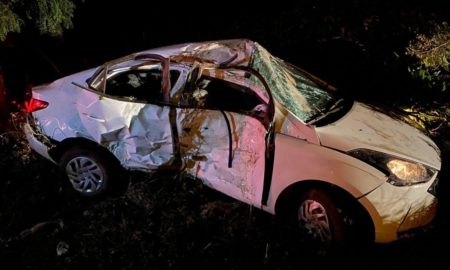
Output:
x=139 y=84
x=216 y=94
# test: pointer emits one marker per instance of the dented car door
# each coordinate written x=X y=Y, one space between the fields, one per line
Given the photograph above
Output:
x=131 y=117
x=222 y=130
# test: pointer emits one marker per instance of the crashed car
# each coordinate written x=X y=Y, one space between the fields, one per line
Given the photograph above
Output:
x=247 y=124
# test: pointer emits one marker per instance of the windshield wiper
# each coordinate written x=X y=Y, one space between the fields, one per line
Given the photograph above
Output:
x=337 y=106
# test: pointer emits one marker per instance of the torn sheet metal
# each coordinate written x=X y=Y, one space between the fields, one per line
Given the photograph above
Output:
x=204 y=149
x=137 y=134
x=147 y=143
x=236 y=52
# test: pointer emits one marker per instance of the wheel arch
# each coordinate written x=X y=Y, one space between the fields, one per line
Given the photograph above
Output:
x=288 y=196
x=117 y=180
x=58 y=151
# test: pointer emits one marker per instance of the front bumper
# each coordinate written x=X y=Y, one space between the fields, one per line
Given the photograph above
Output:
x=37 y=144
x=397 y=210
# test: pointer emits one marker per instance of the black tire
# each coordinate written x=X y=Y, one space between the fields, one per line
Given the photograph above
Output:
x=319 y=218
x=93 y=172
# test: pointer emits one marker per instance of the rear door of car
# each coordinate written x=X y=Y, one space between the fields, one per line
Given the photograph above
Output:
x=131 y=118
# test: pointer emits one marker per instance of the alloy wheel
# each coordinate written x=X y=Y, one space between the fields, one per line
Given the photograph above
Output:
x=85 y=175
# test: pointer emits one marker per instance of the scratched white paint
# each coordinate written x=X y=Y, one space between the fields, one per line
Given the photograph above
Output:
x=398 y=209
x=363 y=127
x=205 y=149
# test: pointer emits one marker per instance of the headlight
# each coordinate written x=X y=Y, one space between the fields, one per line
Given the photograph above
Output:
x=401 y=172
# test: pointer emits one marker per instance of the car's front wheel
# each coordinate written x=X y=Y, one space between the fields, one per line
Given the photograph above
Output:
x=90 y=172
x=319 y=218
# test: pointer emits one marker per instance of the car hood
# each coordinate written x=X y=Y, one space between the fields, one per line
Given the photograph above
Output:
x=364 y=127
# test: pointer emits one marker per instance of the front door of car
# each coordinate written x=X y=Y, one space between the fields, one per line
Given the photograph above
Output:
x=222 y=129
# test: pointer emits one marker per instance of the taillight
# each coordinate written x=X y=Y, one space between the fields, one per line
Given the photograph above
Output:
x=35 y=105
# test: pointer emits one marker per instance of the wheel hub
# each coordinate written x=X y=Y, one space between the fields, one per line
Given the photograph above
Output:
x=85 y=175
x=313 y=217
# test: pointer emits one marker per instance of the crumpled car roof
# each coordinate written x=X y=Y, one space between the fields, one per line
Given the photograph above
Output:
x=232 y=52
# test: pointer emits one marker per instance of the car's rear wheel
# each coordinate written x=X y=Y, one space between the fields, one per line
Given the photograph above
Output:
x=319 y=217
x=91 y=172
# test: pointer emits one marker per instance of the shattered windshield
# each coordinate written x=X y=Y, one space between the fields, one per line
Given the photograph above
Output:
x=290 y=87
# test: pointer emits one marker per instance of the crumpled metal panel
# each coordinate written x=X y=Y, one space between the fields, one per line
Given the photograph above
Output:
x=300 y=95
x=145 y=142
x=137 y=134
x=236 y=52
x=204 y=149
x=140 y=135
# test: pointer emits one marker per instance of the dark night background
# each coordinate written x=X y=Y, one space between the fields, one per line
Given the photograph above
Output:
x=168 y=221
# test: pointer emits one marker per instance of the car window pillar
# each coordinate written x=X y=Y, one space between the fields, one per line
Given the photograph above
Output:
x=270 y=136
x=165 y=70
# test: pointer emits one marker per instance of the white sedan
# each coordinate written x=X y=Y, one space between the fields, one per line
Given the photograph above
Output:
x=247 y=124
